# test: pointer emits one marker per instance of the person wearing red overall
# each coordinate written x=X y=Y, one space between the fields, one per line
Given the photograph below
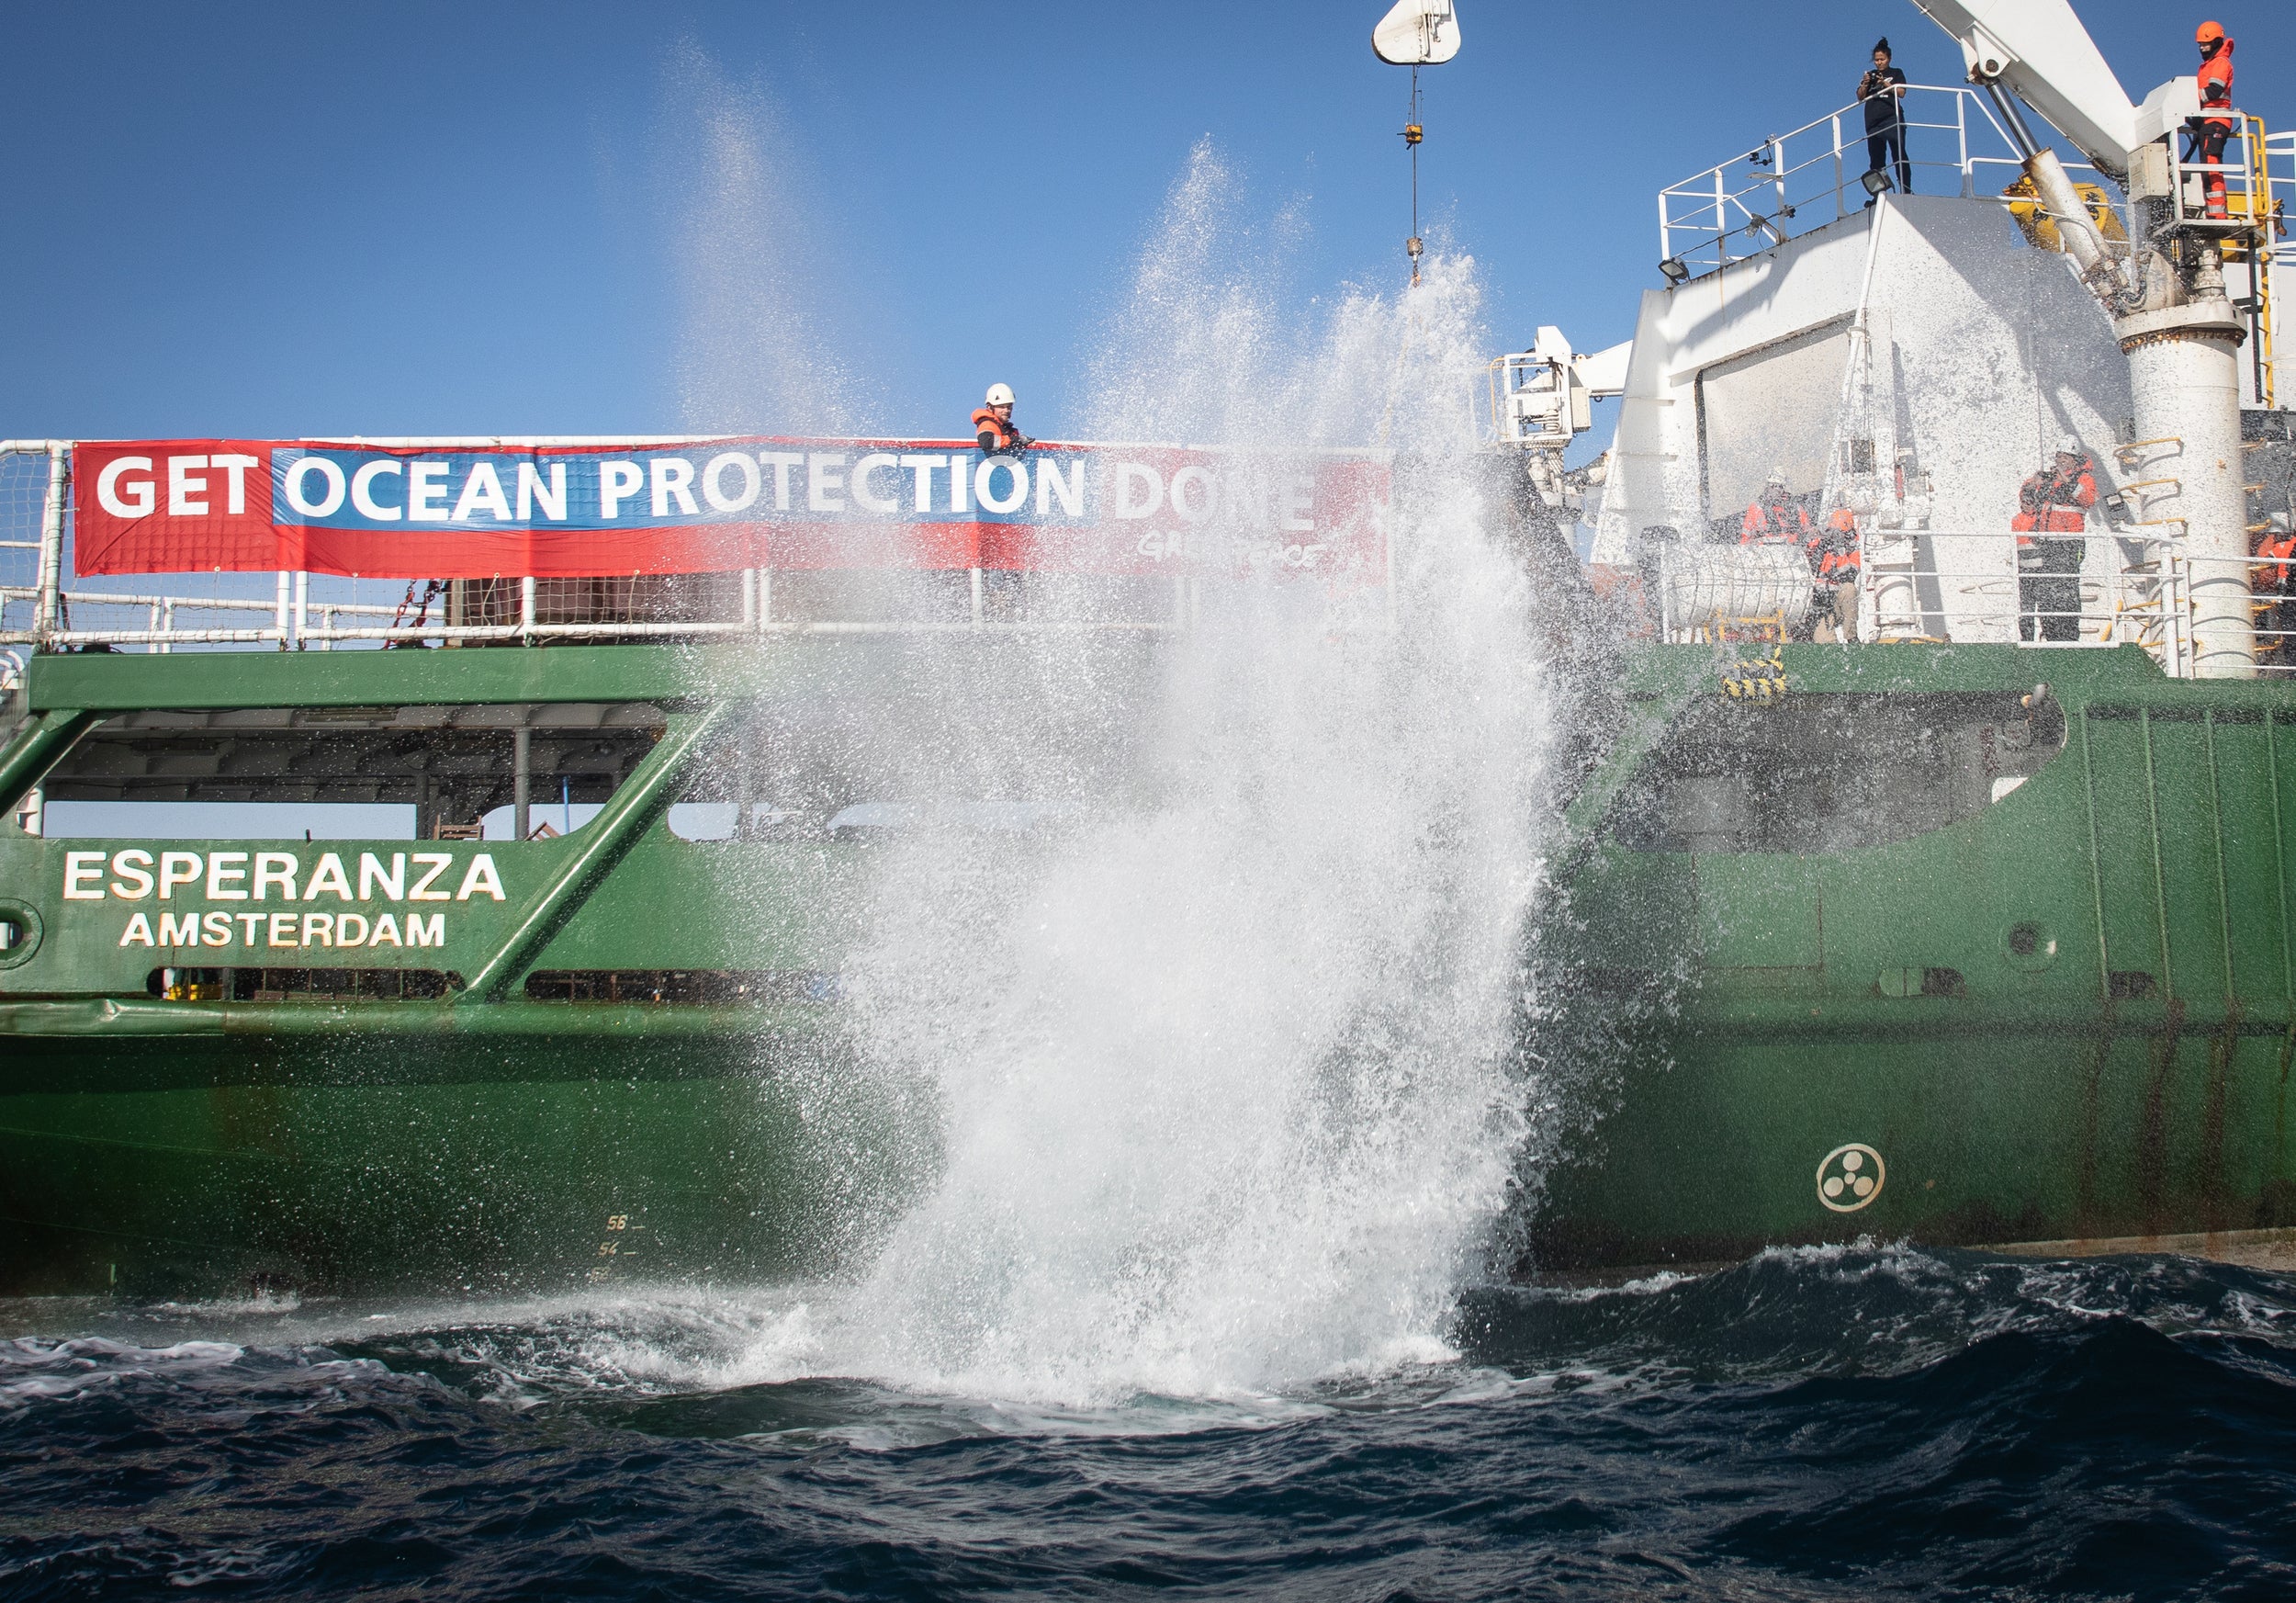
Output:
x=1833 y=563
x=2206 y=136
x=1774 y=518
x=2054 y=500
x=2273 y=582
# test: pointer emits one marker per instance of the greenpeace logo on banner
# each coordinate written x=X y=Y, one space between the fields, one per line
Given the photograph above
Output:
x=171 y=506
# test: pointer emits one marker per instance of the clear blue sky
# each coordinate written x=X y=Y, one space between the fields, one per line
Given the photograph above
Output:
x=482 y=217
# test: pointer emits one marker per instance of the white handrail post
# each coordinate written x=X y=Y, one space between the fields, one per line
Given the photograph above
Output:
x=1961 y=146
x=749 y=599
x=302 y=604
x=280 y=611
x=765 y=599
x=1721 y=221
x=327 y=628
x=1666 y=236
x=1841 y=206
x=47 y=607
x=151 y=622
x=167 y=625
x=526 y=611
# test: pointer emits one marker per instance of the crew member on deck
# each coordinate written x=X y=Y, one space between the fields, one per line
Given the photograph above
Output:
x=992 y=424
x=1774 y=518
x=2206 y=135
x=2273 y=582
x=2054 y=500
x=1883 y=91
x=1833 y=563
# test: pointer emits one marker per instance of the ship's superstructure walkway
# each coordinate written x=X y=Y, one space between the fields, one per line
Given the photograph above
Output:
x=1905 y=360
x=1792 y=182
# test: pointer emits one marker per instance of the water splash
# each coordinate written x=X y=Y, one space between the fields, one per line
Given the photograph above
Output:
x=1223 y=1072
x=754 y=351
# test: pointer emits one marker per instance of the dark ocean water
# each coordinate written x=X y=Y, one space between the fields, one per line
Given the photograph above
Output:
x=1876 y=1422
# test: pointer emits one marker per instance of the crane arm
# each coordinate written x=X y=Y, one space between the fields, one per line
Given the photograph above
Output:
x=2039 y=50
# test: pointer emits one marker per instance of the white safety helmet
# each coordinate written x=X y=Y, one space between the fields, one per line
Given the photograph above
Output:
x=1000 y=395
x=2068 y=446
x=1777 y=476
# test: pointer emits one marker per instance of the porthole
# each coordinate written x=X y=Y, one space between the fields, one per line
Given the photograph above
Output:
x=2028 y=946
x=19 y=933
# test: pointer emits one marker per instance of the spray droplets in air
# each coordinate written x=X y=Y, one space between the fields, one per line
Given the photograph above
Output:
x=753 y=354
x=1220 y=1071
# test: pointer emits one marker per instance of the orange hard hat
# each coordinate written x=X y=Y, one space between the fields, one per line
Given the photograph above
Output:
x=2209 y=33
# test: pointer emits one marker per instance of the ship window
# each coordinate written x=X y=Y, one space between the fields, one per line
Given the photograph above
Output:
x=1830 y=774
x=715 y=820
x=300 y=985
x=752 y=986
x=358 y=772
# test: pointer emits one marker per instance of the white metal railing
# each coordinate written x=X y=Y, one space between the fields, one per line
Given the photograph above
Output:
x=314 y=625
x=1793 y=182
x=2141 y=593
x=1940 y=584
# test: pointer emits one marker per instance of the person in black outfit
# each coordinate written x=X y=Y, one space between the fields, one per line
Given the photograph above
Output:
x=1882 y=91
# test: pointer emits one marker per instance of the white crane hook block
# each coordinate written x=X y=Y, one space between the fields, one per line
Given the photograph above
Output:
x=1417 y=33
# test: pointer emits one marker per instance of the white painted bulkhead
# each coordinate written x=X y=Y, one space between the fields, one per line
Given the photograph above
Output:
x=1985 y=352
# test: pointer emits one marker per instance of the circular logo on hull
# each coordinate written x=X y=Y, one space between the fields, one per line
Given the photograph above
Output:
x=1850 y=1176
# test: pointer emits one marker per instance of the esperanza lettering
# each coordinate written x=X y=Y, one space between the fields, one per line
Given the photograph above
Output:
x=136 y=874
x=131 y=873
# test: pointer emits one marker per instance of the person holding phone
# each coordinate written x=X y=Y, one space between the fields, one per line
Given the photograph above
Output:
x=1881 y=92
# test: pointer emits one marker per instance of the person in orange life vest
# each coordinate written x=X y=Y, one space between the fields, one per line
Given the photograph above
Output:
x=1774 y=518
x=2273 y=578
x=2206 y=135
x=2054 y=500
x=992 y=424
x=1833 y=561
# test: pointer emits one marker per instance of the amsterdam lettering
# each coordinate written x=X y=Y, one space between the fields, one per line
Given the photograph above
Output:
x=134 y=874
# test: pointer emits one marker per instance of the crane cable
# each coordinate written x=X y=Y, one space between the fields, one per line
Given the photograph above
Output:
x=1413 y=133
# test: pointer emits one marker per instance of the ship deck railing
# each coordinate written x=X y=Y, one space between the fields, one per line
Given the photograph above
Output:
x=1912 y=588
x=1792 y=182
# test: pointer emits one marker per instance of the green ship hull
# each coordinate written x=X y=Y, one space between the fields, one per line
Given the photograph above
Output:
x=2036 y=988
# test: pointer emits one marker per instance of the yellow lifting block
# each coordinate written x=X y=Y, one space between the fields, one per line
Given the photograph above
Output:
x=2040 y=229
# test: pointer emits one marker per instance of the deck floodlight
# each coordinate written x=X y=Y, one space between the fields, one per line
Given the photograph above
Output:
x=1877 y=183
x=1674 y=269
